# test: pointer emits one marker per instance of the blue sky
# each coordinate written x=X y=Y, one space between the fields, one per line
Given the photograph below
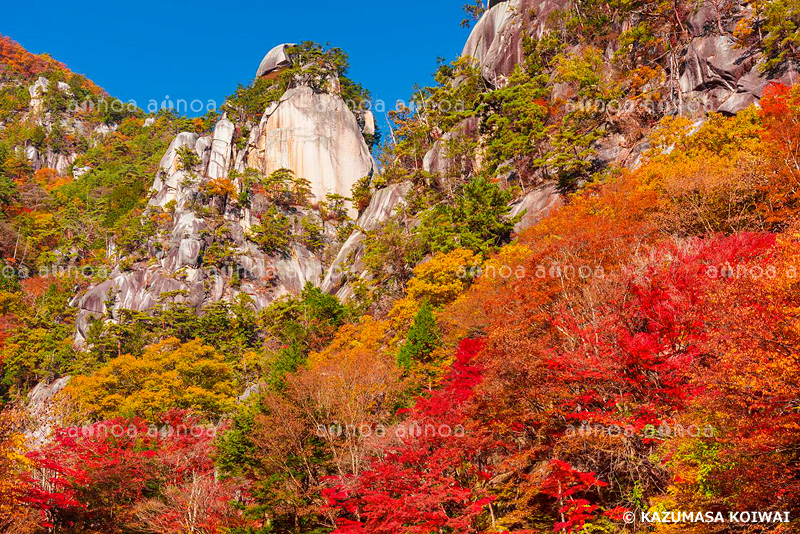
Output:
x=201 y=50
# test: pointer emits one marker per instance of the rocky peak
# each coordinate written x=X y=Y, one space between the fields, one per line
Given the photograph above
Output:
x=307 y=131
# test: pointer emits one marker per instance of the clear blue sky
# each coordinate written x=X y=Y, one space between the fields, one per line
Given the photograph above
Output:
x=201 y=50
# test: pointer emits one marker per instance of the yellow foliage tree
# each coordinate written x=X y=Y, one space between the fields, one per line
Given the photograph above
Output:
x=220 y=187
x=168 y=375
x=443 y=278
x=12 y=465
x=438 y=281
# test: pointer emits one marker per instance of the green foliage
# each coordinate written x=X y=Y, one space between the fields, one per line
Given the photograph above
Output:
x=8 y=191
x=221 y=252
x=9 y=283
x=187 y=158
x=122 y=169
x=286 y=189
x=422 y=339
x=335 y=207
x=390 y=254
x=313 y=233
x=230 y=327
x=273 y=234
x=781 y=24
x=283 y=361
x=362 y=193
x=250 y=101
x=516 y=123
x=478 y=220
x=596 y=20
x=13 y=99
x=298 y=326
x=247 y=180
x=234 y=448
x=42 y=347
x=313 y=65
x=474 y=12
x=307 y=322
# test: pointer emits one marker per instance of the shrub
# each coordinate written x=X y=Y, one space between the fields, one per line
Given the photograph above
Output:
x=273 y=234
x=187 y=158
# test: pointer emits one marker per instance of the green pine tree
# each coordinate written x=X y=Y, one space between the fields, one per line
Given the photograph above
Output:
x=423 y=338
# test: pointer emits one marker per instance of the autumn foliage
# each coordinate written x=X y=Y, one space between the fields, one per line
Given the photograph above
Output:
x=124 y=472
x=637 y=350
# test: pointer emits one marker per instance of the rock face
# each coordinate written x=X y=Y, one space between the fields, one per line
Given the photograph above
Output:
x=44 y=411
x=723 y=77
x=535 y=205
x=714 y=74
x=347 y=266
x=50 y=159
x=318 y=137
x=45 y=157
x=437 y=160
x=496 y=40
x=313 y=134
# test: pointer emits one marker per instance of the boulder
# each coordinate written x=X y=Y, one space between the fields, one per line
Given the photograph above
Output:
x=755 y=80
x=276 y=60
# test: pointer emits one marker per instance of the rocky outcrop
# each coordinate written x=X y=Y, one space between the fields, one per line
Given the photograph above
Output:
x=496 y=40
x=312 y=133
x=46 y=156
x=535 y=205
x=437 y=160
x=315 y=135
x=50 y=159
x=724 y=77
x=177 y=260
x=220 y=151
x=709 y=69
x=44 y=411
x=347 y=266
